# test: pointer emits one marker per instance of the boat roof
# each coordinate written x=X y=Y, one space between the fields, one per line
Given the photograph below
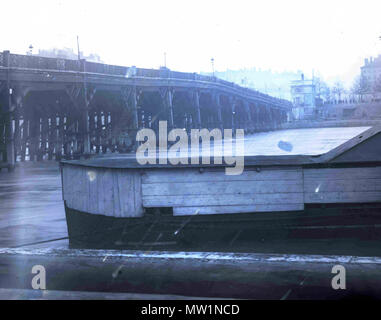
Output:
x=311 y=141
x=282 y=147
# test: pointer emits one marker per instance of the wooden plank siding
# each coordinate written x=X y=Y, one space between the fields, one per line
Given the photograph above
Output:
x=181 y=211
x=342 y=185
x=110 y=192
x=126 y=192
x=212 y=191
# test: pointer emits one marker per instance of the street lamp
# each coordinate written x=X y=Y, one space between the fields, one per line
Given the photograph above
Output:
x=212 y=61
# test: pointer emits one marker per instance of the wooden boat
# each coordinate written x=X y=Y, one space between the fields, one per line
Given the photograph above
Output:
x=113 y=202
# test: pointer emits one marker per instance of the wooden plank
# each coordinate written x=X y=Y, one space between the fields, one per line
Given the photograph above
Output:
x=232 y=187
x=344 y=185
x=138 y=209
x=65 y=182
x=342 y=197
x=85 y=192
x=130 y=193
x=107 y=191
x=116 y=194
x=250 y=192
x=73 y=190
x=324 y=174
x=103 y=191
x=125 y=189
x=222 y=200
x=214 y=175
x=92 y=181
x=180 y=211
x=101 y=206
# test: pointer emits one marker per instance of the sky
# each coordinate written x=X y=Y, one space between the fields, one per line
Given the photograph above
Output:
x=330 y=37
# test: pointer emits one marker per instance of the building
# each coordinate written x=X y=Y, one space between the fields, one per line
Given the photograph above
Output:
x=303 y=94
x=371 y=78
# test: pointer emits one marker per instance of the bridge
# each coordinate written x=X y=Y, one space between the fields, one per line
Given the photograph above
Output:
x=52 y=108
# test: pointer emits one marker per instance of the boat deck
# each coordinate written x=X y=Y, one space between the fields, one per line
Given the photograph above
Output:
x=287 y=147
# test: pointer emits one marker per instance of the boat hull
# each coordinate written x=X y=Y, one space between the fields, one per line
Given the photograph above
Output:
x=161 y=230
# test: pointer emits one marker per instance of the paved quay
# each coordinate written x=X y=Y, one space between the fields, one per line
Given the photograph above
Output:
x=31 y=206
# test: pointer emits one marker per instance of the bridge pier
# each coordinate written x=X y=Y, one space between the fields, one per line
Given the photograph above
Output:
x=98 y=132
x=10 y=142
x=135 y=123
x=167 y=96
x=135 y=116
x=217 y=103
x=233 y=103
x=261 y=116
x=85 y=113
x=2 y=140
x=196 y=95
x=249 y=122
x=33 y=141
x=24 y=137
x=60 y=138
x=81 y=99
x=50 y=134
x=17 y=133
x=84 y=132
x=258 y=117
x=7 y=110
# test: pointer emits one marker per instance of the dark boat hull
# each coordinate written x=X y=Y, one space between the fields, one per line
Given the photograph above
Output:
x=161 y=230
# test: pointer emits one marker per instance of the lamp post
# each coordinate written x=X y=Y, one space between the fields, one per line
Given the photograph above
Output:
x=212 y=61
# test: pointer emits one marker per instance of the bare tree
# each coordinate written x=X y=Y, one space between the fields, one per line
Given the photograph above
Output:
x=338 y=89
x=359 y=87
x=325 y=91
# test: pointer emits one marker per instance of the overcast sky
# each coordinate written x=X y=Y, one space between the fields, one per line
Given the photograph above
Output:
x=331 y=37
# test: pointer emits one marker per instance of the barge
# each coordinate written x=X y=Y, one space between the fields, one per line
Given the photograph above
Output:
x=113 y=202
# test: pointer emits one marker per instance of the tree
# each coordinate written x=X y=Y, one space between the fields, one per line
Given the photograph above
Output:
x=338 y=89
x=360 y=87
x=325 y=91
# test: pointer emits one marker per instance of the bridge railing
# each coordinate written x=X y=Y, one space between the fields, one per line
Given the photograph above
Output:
x=45 y=63
x=149 y=73
x=105 y=68
x=36 y=62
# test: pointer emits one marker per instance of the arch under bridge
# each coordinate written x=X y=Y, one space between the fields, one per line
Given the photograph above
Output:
x=53 y=108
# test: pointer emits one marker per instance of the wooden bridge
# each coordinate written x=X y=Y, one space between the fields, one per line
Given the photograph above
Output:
x=52 y=108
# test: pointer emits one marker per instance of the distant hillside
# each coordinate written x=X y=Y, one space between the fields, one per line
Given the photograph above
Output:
x=266 y=81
